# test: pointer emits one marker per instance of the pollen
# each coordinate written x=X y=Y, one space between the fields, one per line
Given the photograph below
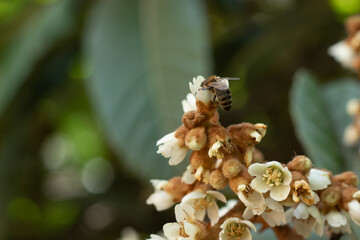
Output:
x=200 y=204
x=273 y=176
x=235 y=231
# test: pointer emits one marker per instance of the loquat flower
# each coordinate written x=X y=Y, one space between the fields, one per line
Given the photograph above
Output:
x=234 y=228
x=273 y=177
x=204 y=96
x=169 y=147
x=161 y=199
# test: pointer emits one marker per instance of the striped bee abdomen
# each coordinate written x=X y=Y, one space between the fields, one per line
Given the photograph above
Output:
x=224 y=98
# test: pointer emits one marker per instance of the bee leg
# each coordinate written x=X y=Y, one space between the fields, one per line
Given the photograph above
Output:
x=205 y=88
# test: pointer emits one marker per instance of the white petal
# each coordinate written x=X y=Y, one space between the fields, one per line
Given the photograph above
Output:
x=166 y=138
x=178 y=156
x=257 y=169
x=301 y=212
x=274 y=205
x=274 y=218
x=190 y=229
x=354 y=211
x=343 y=54
x=303 y=228
x=171 y=230
x=318 y=179
x=247 y=213
x=184 y=211
x=188 y=177
x=280 y=193
x=287 y=176
x=200 y=214
x=155 y=237
x=336 y=219
x=289 y=214
x=315 y=213
x=213 y=214
x=189 y=104
x=193 y=195
x=248 y=224
x=217 y=195
x=259 y=185
x=161 y=200
x=228 y=221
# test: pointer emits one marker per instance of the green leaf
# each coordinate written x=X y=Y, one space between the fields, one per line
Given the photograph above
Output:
x=336 y=95
x=313 y=124
x=29 y=44
x=143 y=54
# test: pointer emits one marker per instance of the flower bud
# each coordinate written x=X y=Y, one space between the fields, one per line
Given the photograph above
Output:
x=246 y=135
x=180 y=135
x=347 y=194
x=301 y=164
x=231 y=168
x=218 y=180
x=208 y=109
x=201 y=158
x=196 y=138
x=349 y=178
x=176 y=188
x=356 y=195
x=331 y=196
x=238 y=181
x=192 y=119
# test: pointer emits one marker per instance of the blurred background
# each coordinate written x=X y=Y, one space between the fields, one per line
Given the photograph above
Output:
x=88 y=86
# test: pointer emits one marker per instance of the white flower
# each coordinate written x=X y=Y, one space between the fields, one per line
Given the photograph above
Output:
x=234 y=228
x=189 y=104
x=169 y=148
x=343 y=54
x=318 y=179
x=204 y=96
x=354 y=211
x=351 y=135
x=338 y=222
x=252 y=199
x=187 y=176
x=273 y=215
x=205 y=202
x=271 y=176
x=155 y=237
x=160 y=198
x=305 y=219
x=185 y=227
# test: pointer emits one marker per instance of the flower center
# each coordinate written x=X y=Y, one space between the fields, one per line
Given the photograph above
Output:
x=200 y=204
x=273 y=176
x=235 y=231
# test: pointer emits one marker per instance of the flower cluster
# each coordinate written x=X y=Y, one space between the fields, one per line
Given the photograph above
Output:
x=347 y=51
x=268 y=192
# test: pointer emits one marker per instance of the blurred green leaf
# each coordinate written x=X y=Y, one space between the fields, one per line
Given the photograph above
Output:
x=313 y=124
x=345 y=7
x=29 y=44
x=143 y=54
x=337 y=94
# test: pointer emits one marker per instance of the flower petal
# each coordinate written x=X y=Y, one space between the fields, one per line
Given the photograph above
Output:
x=217 y=195
x=336 y=219
x=171 y=230
x=178 y=156
x=193 y=195
x=257 y=169
x=213 y=213
x=280 y=193
x=259 y=185
x=318 y=179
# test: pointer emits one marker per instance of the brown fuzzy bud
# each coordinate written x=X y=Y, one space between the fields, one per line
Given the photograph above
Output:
x=215 y=119
x=218 y=180
x=261 y=128
x=201 y=159
x=245 y=135
x=196 y=138
x=192 y=119
x=348 y=178
x=297 y=176
x=331 y=196
x=347 y=194
x=231 y=168
x=301 y=164
x=180 y=135
x=238 y=181
x=207 y=109
x=176 y=188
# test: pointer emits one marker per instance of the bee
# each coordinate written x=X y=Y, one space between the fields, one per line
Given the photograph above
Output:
x=220 y=87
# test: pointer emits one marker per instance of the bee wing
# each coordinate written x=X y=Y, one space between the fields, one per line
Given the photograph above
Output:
x=221 y=84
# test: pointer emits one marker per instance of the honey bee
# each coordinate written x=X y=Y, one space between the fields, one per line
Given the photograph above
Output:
x=220 y=87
